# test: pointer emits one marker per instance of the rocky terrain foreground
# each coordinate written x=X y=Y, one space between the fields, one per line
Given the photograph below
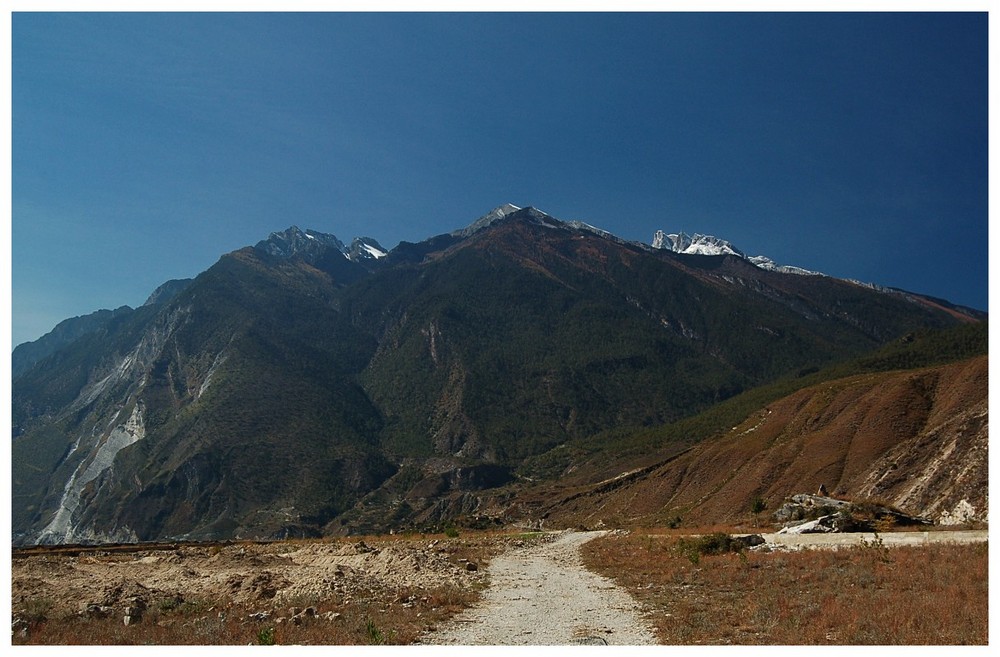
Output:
x=254 y=583
x=534 y=589
x=537 y=591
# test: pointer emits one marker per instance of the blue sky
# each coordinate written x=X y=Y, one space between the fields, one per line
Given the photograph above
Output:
x=144 y=146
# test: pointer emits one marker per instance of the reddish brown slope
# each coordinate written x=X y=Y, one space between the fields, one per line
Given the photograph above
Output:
x=914 y=439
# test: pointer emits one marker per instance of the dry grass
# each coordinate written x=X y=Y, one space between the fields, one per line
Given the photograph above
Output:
x=397 y=618
x=391 y=616
x=873 y=595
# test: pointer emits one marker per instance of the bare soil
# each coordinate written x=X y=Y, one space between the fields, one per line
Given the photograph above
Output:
x=414 y=581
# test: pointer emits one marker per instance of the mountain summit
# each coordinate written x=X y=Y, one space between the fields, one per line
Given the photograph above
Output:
x=294 y=241
x=506 y=212
x=313 y=245
x=491 y=217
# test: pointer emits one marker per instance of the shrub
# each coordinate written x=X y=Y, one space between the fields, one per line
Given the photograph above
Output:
x=708 y=545
x=265 y=636
x=37 y=610
x=757 y=507
x=719 y=543
x=876 y=548
x=375 y=636
x=169 y=604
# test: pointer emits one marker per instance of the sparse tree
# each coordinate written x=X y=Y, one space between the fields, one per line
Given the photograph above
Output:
x=757 y=506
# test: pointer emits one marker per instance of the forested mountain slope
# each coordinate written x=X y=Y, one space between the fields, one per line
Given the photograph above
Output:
x=301 y=387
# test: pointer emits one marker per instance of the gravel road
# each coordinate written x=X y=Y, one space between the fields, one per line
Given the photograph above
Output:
x=543 y=595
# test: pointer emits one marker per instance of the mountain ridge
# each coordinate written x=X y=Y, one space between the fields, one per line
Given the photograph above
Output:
x=303 y=242
x=391 y=382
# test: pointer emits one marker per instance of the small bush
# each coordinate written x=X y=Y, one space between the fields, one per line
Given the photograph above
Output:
x=375 y=636
x=172 y=603
x=876 y=548
x=757 y=507
x=885 y=524
x=193 y=607
x=37 y=610
x=711 y=544
x=265 y=636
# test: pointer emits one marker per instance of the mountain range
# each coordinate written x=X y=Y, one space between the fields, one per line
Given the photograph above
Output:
x=302 y=387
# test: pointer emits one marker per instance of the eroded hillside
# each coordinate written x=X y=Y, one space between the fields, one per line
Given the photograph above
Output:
x=915 y=439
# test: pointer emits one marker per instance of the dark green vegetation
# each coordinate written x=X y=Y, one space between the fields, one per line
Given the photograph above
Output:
x=310 y=394
x=635 y=447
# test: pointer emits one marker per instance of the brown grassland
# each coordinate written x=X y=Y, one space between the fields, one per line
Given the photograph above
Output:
x=866 y=595
x=375 y=620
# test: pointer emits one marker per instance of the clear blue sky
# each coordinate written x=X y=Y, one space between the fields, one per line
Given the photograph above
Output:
x=147 y=145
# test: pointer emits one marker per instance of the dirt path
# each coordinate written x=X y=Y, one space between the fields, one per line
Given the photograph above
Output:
x=543 y=595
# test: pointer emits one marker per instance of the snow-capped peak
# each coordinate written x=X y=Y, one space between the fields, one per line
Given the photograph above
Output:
x=700 y=244
x=365 y=248
x=709 y=245
x=582 y=225
x=312 y=244
x=494 y=215
x=766 y=263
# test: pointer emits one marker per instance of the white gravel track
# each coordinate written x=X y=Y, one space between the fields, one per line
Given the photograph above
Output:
x=543 y=595
x=889 y=539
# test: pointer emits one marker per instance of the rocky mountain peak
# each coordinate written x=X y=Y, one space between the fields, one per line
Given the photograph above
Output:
x=491 y=217
x=365 y=248
x=509 y=212
x=710 y=245
x=295 y=241
x=699 y=244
